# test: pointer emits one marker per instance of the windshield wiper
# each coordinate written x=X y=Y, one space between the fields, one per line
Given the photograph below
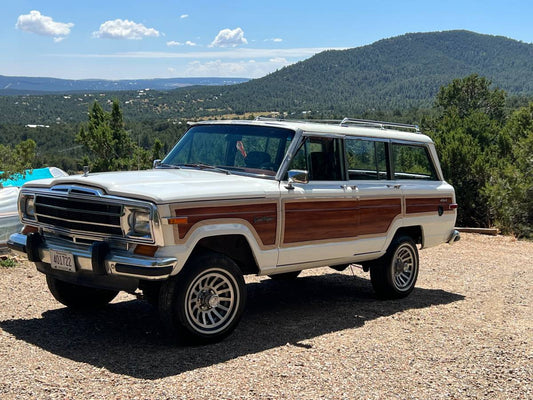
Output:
x=205 y=167
x=170 y=166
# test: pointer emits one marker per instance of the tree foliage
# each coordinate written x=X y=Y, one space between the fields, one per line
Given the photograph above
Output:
x=16 y=160
x=109 y=145
x=487 y=157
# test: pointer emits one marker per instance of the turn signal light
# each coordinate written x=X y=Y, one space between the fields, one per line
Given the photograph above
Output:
x=178 y=220
x=145 y=250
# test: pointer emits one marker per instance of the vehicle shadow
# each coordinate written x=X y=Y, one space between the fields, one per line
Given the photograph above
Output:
x=124 y=338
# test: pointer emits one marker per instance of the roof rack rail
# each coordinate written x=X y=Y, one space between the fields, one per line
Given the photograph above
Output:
x=379 y=124
x=303 y=121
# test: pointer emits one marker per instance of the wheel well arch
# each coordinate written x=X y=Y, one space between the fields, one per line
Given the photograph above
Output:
x=414 y=232
x=233 y=246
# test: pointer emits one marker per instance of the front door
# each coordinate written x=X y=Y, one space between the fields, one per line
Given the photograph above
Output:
x=319 y=217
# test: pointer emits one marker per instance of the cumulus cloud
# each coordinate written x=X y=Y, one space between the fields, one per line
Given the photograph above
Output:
x=183 y=16
x=40 y=24
x=124 y=29
x=229 y=38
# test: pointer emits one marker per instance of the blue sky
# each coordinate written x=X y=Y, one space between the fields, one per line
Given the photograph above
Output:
x=127 y=39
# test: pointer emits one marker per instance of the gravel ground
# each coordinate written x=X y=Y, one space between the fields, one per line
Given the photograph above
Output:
x=465 y=332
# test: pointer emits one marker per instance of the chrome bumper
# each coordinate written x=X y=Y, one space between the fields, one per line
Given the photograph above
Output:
x=98 y=259
x=454 y=237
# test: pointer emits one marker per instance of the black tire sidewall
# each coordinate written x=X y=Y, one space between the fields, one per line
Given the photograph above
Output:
x=77 y=296
x=173 y=298
x=382 y=270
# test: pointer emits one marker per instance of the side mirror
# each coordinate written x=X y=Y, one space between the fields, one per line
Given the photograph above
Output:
x=156 y=163
x=297 y=176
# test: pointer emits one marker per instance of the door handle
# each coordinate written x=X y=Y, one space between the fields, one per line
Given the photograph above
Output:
x=394 y=186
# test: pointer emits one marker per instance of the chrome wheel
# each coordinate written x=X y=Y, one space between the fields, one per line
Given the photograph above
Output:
x=211 y=301
x=405 y=267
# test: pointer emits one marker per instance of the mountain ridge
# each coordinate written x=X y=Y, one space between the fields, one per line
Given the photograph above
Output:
x=13 y=85
x=395 y=74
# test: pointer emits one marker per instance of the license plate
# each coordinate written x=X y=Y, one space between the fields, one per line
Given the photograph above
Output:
x=62 y=260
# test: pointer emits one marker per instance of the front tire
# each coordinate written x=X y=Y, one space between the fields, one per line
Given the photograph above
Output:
x=204 y=302
x=79 y=297
x=394 y=275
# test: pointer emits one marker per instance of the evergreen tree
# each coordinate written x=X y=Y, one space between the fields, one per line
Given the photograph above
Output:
x=16 y=160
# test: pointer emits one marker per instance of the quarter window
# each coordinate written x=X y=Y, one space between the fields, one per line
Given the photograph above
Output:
x=412 y=162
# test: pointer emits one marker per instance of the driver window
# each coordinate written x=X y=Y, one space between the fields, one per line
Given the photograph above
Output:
x=321 y=157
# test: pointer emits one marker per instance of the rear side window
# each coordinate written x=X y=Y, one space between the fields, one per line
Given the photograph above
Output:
x=412 y=162
x=366 y=159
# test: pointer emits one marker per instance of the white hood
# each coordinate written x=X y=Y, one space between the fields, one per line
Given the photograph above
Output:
x=169 y=185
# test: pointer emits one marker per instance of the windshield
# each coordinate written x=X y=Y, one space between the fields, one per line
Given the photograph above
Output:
x=257 y=150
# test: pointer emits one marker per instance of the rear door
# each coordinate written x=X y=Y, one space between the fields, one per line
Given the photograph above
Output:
x=379 y=198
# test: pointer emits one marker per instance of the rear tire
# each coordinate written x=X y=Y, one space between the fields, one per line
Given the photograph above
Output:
x=77 y=296
x=204 y=302
x=394 y=275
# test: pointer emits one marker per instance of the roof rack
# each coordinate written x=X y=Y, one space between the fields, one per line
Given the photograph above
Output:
x=379 y=124
x=347 y=121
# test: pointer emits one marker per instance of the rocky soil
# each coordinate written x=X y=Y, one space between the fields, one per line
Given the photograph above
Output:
x=466 y=332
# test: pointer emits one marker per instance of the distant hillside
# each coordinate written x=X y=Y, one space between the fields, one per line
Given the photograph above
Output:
x=13 y=85
x=392 y=74
x=400 y=72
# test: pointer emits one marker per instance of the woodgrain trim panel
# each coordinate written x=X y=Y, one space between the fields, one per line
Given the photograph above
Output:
x=309 y=221
x=376 y=216
x=317 y=220
x=262 y=218
x=420 y=205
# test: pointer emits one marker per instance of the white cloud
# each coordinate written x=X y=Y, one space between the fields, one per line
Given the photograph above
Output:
x=40 y=24
x=243 y=68
x=275 y=40
x=279 y=60
x=124 y=29
x=292 y=53
x=183 y=16
x=229 y=38
x=187 y=43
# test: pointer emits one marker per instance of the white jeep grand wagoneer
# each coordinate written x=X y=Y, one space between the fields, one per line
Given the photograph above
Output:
x=263 y=197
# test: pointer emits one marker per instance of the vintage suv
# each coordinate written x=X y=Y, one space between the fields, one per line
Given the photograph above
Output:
x=263 y=197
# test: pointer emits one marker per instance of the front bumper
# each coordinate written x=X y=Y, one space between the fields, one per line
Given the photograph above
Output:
x=98 y=259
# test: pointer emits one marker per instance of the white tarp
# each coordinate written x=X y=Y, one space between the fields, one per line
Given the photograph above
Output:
x=9 y=218
x=9 y=190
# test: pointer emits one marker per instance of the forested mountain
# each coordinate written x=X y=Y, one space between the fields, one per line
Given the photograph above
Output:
x=21 y=85
x=400 y=72
x=391 y=74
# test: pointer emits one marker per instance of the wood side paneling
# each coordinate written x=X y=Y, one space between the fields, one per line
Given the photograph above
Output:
x=262 y=217
x=376 y=216
x=318 y=220
x=322 y=220
x=427 y=205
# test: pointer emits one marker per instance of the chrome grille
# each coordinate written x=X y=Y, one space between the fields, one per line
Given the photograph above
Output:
x=77 y=214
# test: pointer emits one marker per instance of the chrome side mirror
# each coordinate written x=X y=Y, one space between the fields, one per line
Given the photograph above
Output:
x=297 y=176
x=156 y=163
